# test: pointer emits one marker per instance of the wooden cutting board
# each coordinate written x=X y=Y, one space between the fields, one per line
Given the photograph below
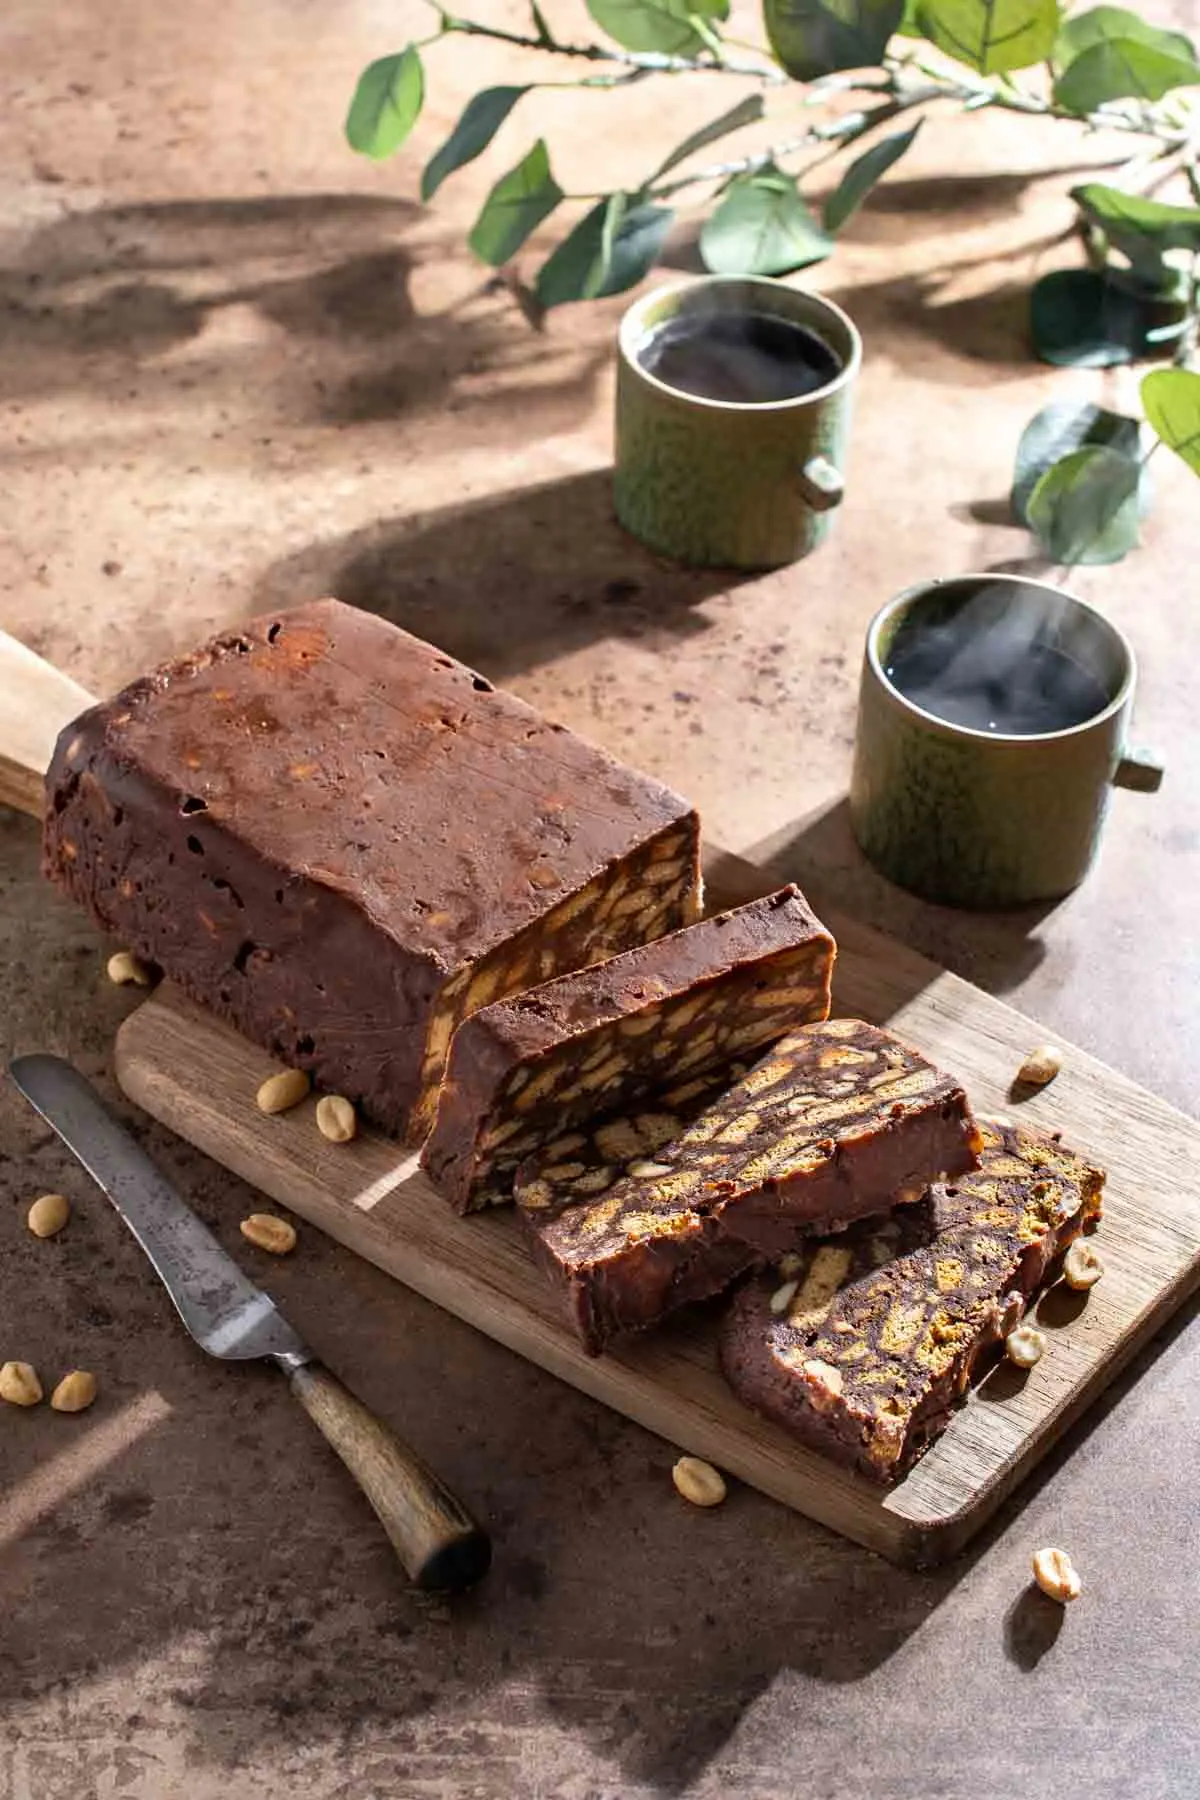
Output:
x=200 y=1078
x=375 y=1200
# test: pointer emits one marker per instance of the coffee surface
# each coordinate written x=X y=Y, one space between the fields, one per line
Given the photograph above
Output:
x=1015 y=686
x=743 y=358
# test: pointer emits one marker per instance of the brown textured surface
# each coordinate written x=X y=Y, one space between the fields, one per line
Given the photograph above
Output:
x=532 y=1067
x=242 y=367
x=341 y=840
x=863 y=1343
x=838 y=1120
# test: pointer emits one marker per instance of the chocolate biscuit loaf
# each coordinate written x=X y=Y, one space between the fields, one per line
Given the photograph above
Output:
x=863 y=1343
x=839 y=1120
x=344 y=842
x=523 y=1069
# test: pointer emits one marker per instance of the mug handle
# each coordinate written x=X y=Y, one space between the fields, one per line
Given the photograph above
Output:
x=822 y=484
x=1139 y=769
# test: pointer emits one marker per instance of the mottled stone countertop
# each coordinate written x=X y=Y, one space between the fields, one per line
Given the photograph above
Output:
x=239 y=366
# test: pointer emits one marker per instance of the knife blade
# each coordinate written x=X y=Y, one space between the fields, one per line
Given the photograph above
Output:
x=229 y=1317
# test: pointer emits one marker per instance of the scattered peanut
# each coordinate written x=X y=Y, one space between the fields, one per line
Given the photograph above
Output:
x=48 y=1214
x=1082 y=1267
x=1025 y=1346
x=783 y=1296
x=648 y=1171
x=1040 y=1066
x=270 y=1233
x=285 y=1089
x=128 y=970
x=698 y=1481
x=75 y=1392
x=1057 y=1575
x=19 y=1384
x=336 y=1118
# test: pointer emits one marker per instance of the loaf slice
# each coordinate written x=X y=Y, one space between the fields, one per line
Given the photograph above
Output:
x=838 y=1121
x=862 y=1344
x=536 y=1065
x=344 y=842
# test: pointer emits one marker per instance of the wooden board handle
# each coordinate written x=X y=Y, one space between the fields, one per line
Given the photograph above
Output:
x=435 y=1537
x=36 y=701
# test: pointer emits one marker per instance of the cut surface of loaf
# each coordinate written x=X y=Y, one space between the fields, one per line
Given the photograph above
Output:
x=839 y=1120
x=344 y=842
x=527 y=1069
x=863 y=1343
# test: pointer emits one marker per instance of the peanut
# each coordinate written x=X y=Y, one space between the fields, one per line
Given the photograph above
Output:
x=285 y=1089
x=127 y=970
x=48 y=1214
x=1025 y=1346
x=270 y=1233
x=336 y=1118
x=698 y=1481
x=1082 y=1267
x=1057 y=1575
x=19 y=1384
x=1040 y=1066
x=648 y=1171
x=783 y=1296
x=75 y=1392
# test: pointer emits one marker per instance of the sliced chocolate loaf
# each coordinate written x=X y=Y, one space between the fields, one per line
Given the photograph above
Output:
x=345 y=842
x=839 y=1120
x=536 y=1065
x=863 y=1343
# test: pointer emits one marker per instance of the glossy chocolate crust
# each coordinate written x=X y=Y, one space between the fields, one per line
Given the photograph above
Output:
x=341 y=840
x=838 y=1121
x=879 y=1329
x=589 y=1043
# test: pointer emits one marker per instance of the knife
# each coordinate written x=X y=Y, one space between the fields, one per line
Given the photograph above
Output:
x=438 y=1542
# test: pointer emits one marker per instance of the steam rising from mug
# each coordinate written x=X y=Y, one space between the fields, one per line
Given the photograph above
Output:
x=996 y=663
x=740 y=358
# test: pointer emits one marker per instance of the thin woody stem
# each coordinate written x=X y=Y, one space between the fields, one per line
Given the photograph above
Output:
x=650 y=61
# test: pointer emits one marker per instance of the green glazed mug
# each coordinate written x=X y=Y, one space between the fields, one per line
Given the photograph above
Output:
x=726 y=484
x=972 y=817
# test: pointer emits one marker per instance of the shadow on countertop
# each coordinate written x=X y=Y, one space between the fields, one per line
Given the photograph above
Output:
x=510 y=581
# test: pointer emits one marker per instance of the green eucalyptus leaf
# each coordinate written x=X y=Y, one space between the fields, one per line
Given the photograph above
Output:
x=609 y=250
x=814 y=37
x=516 y=206
x=1171 y=398
x=387 y=103
x=1084 y=509
x=992 y=35
x=862 y=175
x=481 y=119
x=661 y=27
x=1110 y=54
x=1111 y=24
x=1059 y=428
x=1139 y=227
x=1079 y=319
x=747 y=112
x=762 y=227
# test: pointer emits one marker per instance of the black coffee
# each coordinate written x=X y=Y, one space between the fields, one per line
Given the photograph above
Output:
x=1001 y=679
x=743 y=357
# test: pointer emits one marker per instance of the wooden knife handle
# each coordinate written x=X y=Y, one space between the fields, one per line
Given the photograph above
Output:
x=36 y=701
x=434 y=1536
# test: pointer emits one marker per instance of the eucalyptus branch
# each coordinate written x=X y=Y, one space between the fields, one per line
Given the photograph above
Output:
x=650 y=62
x=743 y=165
x=833 y=136
x=1008 y=97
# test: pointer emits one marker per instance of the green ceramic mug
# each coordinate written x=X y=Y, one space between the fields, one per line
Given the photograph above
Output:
x=971 y=816
x=724 y=484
